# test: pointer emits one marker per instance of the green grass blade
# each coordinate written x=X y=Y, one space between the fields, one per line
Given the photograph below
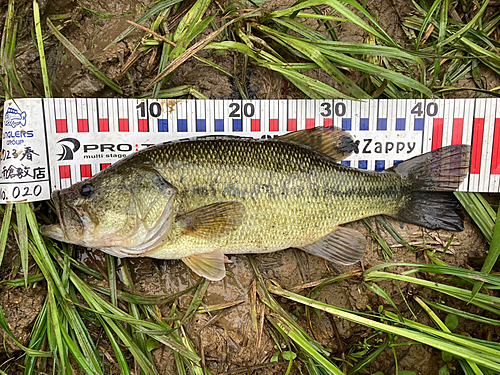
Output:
x=444 y=328
x=120 y=356
x=111 y=265
x=301 y=29
x=80 y=57
x=196 y=301
x=393 y=232
x=38 y=334
x=44 y=261
x=56 y=327
x=4 y=232
x=492 y=256
x=22 y=233
x=20 y=282
x=304 y=344
x=463 y=314
x=365 y=361
x=313 y=88
x=150 y=12
x=465 y=29
x=111 y=313
x=345 y=12
x=315 y=55
x=41 y=51
x=189 y=21
x=423 y=337
x=425 y=23
x=139 y=338
x=484 y=301
x=480 y=211
x=5 y=327
x=387 y=252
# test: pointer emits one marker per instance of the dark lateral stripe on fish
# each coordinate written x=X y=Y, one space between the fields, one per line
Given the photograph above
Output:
x=235 y=191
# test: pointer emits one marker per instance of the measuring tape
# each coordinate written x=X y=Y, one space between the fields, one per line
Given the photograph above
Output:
x=50 y=144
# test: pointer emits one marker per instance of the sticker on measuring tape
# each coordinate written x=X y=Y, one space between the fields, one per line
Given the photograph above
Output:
x=50 y=144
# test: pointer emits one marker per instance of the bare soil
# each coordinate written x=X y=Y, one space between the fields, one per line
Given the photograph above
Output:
x=229 y=343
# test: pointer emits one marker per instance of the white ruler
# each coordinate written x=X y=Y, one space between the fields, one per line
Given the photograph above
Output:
x=50 y=144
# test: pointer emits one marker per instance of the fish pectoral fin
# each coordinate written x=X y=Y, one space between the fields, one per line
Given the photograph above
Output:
x=331 y=141
x=213 y=220
x=342 y=246
x=208 y=265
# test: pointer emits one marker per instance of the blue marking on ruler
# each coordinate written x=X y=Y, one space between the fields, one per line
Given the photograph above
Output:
x=419 y=124
x=382 y=124
x=347 y=163
x=396 y=162
x=236 y=125
x=364 y=124
x=400 y=124
x=201 y=125
x=346 y=124
x=162 y=125
x=182 y=126
x=363 y=164
x=379 y=165
x=219 y=125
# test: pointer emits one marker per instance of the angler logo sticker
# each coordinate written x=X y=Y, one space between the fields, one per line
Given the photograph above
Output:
x=14 y=118
x=50 y=144
x=24 y=164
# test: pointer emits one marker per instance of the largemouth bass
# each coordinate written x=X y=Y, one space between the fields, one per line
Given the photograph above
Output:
x=198 y=200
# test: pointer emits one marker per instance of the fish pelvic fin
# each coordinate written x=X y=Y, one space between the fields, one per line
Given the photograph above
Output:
x=432 y=178
x=342 y=246
x=208 y=265
x=213 y=220
x=333 y=142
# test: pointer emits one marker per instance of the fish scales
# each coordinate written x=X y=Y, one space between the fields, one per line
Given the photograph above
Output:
x=293 y=196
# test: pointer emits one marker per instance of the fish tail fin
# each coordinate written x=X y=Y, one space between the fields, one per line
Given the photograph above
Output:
x=432 y=178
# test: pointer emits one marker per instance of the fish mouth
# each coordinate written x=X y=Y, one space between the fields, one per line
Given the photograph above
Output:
x=54 y=231
x=67 y=216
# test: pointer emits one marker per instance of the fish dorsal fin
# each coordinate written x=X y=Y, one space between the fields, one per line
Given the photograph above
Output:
x=342 y=246
x=333 y=142
x=213 y=220
x=208 y=265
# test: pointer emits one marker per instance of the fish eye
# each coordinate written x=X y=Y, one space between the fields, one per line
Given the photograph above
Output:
x=87 y=190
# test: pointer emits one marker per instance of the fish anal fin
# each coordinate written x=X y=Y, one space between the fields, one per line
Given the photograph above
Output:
x=343 y=246
x=331 y=141
x=208 y=265
x=213 y=220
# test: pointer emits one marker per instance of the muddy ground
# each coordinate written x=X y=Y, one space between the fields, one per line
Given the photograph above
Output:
x=230 y=344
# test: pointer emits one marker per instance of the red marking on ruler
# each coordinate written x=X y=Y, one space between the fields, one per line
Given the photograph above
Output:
x=292 y=124
x=61 y=126
x=123 y=125
x=437 y=134
x=64 y=171
x=103 y=125
x=105 y=165
x=477 y=146
x=495 y=157
x=143 y=125
x=83 y=125
x=85 y=171
x=328 y=122
x=255 y=125
x=458 y=128
x=274 y=125
x=309 y=123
